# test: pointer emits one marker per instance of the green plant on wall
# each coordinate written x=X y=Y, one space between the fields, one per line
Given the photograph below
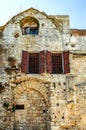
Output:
x=6 y=105
x=13 y=108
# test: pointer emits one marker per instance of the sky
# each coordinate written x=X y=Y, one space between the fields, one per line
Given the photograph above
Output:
x=76 y=9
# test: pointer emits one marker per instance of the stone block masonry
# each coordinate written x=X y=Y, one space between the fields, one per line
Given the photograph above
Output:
x=42 y=73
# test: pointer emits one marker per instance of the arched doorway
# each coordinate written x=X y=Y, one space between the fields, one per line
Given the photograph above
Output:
x=31 y=111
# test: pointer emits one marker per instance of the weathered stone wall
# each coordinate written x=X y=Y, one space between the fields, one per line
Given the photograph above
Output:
x=78 y=40
x=80 y=107
x=51 y=101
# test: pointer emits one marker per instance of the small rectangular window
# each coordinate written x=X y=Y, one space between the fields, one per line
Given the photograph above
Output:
x=30 y=30
x=19 y=107
x=57 y=63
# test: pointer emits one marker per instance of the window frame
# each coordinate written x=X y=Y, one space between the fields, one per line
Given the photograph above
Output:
x=33 y=61
x=25 y=62
x=30 y=30
x=45 y=62
x=57 y=63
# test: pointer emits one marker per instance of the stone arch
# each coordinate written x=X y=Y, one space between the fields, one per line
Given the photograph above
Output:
x=32 y=94
x=29 y=25
x=31 y=85
x=30 y=21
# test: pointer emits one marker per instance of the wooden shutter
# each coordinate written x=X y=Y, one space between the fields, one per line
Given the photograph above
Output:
x=48 y=62
x=42 y=62
x=66 y=62
x=25 y=62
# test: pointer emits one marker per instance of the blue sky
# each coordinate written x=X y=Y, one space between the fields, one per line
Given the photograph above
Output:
x=74 y=8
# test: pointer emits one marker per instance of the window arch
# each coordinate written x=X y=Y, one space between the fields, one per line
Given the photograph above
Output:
x=29 y=25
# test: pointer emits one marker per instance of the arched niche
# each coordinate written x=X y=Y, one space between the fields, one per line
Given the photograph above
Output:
x=29 y=25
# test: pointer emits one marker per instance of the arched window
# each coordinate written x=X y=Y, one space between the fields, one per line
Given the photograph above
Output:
x=29 y=25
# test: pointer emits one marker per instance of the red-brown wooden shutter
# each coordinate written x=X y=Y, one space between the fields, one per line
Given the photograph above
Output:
x=42 y=62
x=25 y=62
x=66 y=62
x=48 y=62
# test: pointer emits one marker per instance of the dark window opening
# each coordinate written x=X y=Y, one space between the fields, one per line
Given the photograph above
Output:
x=57 y=63
x=34 y=31
x=19 y=107
x=30 y=30
x=34 y=63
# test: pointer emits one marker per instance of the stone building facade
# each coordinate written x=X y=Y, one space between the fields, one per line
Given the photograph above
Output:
x=42 y=73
